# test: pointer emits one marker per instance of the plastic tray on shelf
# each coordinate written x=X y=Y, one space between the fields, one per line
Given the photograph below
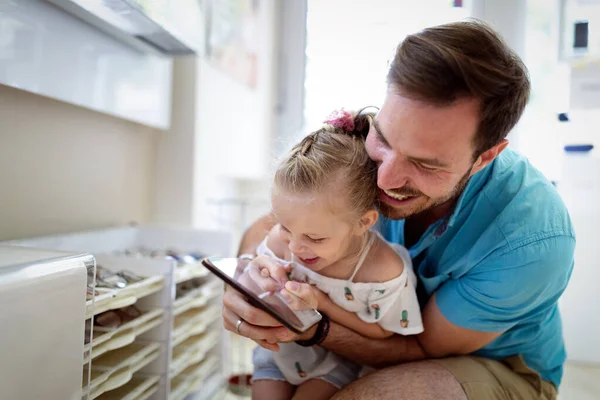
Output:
x=191 y=331
x=138 y=388
x=105 y=340
x=212 y=288
x=192 y=351
x=111 y=299
x=143 y=288
x=197 y=298
x=101 y=302
x=116 y=368
x=194 y=299
x=193 y=322
x=210 y=387
x=192 y=377
x=186 y=272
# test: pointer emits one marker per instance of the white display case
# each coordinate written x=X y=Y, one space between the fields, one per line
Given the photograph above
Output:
x=580 y=190
x=50 y=52
x=43 y=313
x=174 y=347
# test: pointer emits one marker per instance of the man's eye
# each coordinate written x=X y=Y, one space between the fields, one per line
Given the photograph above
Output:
x=426 y=168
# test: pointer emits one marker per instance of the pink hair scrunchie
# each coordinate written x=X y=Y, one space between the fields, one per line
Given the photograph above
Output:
x=341 y=119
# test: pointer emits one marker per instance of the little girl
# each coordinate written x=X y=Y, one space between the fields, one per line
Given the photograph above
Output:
x=324 y=200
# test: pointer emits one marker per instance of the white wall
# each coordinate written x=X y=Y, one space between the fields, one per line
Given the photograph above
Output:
x=233 y=143
x=65 y=168
x=174 y=192
x=236 y=126
x=223 y=130
x=190 y=162
x=580 y=189
x=237 y=121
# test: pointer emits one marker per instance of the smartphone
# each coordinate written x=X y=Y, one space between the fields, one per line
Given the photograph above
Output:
x=274 y=305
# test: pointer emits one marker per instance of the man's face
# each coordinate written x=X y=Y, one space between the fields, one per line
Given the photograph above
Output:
x=424 y=153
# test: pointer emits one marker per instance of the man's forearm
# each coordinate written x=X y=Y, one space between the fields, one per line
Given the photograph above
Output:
x=255 y=234
x=377 y=353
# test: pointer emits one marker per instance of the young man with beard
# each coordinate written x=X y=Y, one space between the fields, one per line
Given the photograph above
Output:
x=491 y=241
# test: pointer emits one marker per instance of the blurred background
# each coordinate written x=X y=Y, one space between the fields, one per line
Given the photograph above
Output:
x=176 y=112
x=173 y=113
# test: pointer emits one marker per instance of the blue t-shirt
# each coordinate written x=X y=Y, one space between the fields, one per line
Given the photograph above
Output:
x=500 y=262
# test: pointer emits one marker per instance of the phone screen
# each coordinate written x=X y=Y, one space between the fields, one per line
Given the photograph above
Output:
x=227 y=269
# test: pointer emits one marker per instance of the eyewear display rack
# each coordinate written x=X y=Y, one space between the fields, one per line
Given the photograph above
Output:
x=43 y=309
x=164 y=334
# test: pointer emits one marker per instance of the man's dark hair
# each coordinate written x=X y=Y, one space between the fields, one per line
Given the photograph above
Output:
x=443 y=63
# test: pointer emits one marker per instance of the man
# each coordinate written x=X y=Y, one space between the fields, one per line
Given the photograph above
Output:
x=491 y=241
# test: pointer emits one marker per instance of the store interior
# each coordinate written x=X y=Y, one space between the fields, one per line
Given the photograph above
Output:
x=134 y=144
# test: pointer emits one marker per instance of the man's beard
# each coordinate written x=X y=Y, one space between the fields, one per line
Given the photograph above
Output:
x=394 y=213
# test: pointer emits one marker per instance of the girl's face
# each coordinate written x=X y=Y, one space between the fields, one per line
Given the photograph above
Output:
x=315 y=227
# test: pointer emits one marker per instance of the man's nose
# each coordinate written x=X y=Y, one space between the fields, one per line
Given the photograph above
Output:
x=391 y=174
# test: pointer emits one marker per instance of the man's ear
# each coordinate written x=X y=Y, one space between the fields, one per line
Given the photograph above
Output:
x=488 y=156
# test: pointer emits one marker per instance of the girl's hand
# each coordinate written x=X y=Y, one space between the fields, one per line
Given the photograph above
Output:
x=268 y=273
x=301 y=296
x=323 y=300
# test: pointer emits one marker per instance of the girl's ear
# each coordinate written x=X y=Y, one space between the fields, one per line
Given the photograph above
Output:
x=367 y=221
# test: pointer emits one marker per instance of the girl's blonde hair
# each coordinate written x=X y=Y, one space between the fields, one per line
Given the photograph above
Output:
x=333 y=153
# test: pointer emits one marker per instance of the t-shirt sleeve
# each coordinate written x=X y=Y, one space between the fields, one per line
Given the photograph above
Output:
x=395 y=309
x=404 y=315
x=509 y=284
x=390 y=230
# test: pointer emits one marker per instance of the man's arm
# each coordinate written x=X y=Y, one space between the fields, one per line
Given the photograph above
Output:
x=440 y=338
x=491 y=299
x=258 y=325
x=255 y=234
x=351 y=320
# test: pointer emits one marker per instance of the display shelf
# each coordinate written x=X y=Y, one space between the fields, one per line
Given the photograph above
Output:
x=112 y=299
x=191 y=351
x=100 y=303
x=198 y=297
x=136 y=250
x=190 y=271
x=108 y=241
x=191 y=331
x=106 y=339
x=193 y=322
x=212 y=288
x=115 y=369
x=149 y=392
x=138 y=388
x=189 y=302
x=42 y=322
x=208 y=390
x=192 y=377
x=143 y=288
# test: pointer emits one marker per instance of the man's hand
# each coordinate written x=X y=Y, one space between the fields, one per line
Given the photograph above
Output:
x=257 y=324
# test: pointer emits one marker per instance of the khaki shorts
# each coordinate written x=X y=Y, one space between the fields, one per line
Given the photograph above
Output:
x=486 y=379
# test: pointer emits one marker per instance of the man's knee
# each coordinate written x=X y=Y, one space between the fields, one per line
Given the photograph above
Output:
x=423 y=380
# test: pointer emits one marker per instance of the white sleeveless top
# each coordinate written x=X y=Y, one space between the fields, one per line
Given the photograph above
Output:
x=392 y=304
